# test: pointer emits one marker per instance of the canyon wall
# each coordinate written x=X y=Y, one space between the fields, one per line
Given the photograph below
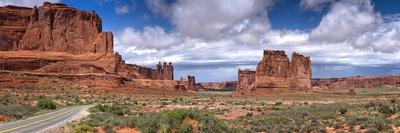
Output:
x=13 y=24
x=355 y=82
x=54 y=27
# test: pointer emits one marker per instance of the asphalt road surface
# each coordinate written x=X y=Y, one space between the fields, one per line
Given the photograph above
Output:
x=43 y=122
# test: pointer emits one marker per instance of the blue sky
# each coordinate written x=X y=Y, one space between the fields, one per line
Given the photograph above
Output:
x=212 y=39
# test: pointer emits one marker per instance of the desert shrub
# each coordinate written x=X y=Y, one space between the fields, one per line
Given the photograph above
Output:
x=328 y=116
x=166 y=121
x=116 y=109
x=386 y=110
x=397 y=123
x=249 y=114
x=172 y=120
x=278 y=103
x=380 y=123
x=164 y=103
x=207 y=122
x=83 y=128
x=393 y=100
x=46 y=103
x=372 y=130
x=17 y=110
x=343 y=110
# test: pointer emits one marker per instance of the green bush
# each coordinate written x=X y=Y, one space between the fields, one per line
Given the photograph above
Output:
x=328 y=116
x=46 y=103
x=83 y=128
x=380 y=123
x=397 y=123
x=278 y=103
x=116 y=109
x=386 y=110
x=343 y=110
x=166 y=121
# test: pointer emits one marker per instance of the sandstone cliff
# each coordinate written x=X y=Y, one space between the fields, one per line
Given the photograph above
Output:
x=275 y=71
x=55 y=38
x=246 y=80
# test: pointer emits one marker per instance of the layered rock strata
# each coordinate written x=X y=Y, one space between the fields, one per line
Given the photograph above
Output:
x=55 y=38
x=355 y=82
x=275 y=71
x=246 y=80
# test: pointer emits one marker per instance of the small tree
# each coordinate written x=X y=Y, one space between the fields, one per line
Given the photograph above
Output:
x=46 y=103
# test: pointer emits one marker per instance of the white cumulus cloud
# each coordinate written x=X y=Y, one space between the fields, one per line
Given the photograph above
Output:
x=25 y=3
x=344 y=19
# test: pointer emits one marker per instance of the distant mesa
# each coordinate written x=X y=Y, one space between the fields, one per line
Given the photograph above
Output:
x=355 y=82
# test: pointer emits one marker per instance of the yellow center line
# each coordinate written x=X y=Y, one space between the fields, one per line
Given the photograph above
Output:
x=30 y=124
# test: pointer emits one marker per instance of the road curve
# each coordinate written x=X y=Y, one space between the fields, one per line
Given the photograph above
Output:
x=43 y=122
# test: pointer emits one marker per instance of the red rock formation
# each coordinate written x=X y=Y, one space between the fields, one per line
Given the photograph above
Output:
x=226 y=85
x=351 y=92
x=273 y=70
x=300 y=72
x=13 y=23
x=246 y=80
x=191 y=83
x=164 y=71
x=355 y=82
x=55 y=38
x=59 y=28
x=276 y=71
x=186 y=84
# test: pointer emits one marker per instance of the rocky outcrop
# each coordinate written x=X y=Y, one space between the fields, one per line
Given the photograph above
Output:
x=13 y=24
x=300 y=72
x=226 y=85
x=246 y=80
x=164 y=71
x=191 y=83
x=186 y=84
x=55 y=38
x=59 y=28
x=276 y=71
x=355 y=82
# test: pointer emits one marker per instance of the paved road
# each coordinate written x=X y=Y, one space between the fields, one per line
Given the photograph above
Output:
x=41 y=123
